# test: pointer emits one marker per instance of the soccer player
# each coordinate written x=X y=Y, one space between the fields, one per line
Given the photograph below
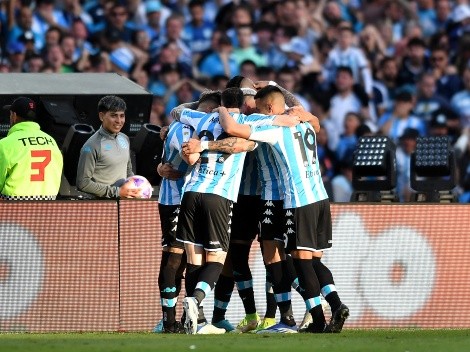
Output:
x=30 y=161
x=208 y=197
x=308 y=230
x=173 y=258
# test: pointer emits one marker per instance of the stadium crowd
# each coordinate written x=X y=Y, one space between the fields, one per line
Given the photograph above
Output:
x=394 y=67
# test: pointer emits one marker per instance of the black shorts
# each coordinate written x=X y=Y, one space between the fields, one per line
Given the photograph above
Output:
x=245 y=222
x=204 y=220
x=169 y=220
x=272 y=220
x=309 y=227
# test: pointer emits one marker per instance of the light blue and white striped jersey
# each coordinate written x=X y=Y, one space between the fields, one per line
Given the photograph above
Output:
x=171 y=191
x=295 y=152
x=217 y=173
x=268 y=173
x=250 y=185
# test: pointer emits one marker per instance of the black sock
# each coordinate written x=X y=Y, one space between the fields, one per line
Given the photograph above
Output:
x=192 y=278
x=292 y=274
x=309 y=282
x=222 y=294
x=207 y=278
x=242 y=275
x=271 y=305
x=180 y=274
x=281 y=287
x=166 y=280
x=327 y=284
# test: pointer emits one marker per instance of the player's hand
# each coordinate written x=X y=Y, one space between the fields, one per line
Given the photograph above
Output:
x=164 y=132
x=166 y=171
x=192 y=146
x=286 y=120
x=305 y=116
x=260 y=84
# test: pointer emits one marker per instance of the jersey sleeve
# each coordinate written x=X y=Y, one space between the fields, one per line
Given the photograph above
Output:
x=191 y=117
x=267 y=134
x=258 y=120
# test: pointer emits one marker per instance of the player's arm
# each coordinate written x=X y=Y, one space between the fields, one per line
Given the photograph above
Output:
x=166 y=170
x=175 y=113
x=305 y=116
x=231 y=126
x=289 y=98
x=230 y=145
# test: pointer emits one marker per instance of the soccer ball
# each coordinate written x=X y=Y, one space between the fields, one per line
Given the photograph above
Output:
x=142 y=183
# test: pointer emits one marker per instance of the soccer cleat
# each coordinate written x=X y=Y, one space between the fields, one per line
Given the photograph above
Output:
x=264 y=324
x=314 y=329
x=209 y=329
x=306 y=321
x=338 y=318
x=279 y=328
x=224 y=324
x=249 y=323
x=158 y=329
x=176 y=328
x=191 y=311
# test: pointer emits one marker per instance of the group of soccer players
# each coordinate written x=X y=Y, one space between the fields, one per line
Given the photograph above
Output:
x=214 y=201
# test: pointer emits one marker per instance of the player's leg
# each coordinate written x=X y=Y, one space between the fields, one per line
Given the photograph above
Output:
x=339 y=311
x=172 y=262
x=302 y=223
x=214 y=219
x=244 y=230
x=222 y=293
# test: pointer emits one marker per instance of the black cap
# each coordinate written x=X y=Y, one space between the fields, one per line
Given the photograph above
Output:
x=23 y=107
x=404 y=96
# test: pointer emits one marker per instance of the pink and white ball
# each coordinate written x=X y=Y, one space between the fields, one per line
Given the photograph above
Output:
x=140 y=182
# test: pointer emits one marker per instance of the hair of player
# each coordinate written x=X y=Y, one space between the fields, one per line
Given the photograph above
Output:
x=111 y=103
x=235 y=81
x=267 y=91
x=232 y=98
x=213 y=98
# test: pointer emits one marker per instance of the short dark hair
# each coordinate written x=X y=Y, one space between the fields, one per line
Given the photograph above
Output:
x=111 y=103
x=235 y=81
x=346 y=69
x=213 y=97
x=266 y=91
x=232 y=98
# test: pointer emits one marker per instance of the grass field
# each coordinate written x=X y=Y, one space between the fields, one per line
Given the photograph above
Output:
x=349 y=340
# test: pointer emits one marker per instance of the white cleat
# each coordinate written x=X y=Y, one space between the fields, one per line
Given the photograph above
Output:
x=191 y=310
x=209 y=329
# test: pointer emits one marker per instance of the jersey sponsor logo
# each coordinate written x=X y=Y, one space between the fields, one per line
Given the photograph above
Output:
x=214 y=119
x=207 y=171
x=214 y=242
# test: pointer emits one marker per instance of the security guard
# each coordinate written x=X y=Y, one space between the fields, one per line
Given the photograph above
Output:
x=30 y=160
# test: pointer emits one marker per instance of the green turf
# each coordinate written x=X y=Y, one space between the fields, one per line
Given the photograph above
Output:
x=347 y=341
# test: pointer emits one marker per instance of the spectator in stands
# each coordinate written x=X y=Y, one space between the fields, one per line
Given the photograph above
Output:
x=348 y=140
x=448 y=81
x=347 y=98
x=197 y=31
x=22 y=22
x=414 y=63
x=30 y=160
x=341 y=184
x=221 y=61
x=245 y=49
x=264 y=32
x=428 y=100
x=116 y=23
x=461 y=100
x=16 y=56
x=105 y=160
x=406 y=146
x=346 y=54
x=47 y=15
x=394 y=123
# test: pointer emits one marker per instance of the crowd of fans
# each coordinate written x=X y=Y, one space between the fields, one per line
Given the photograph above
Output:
x=393 y=67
